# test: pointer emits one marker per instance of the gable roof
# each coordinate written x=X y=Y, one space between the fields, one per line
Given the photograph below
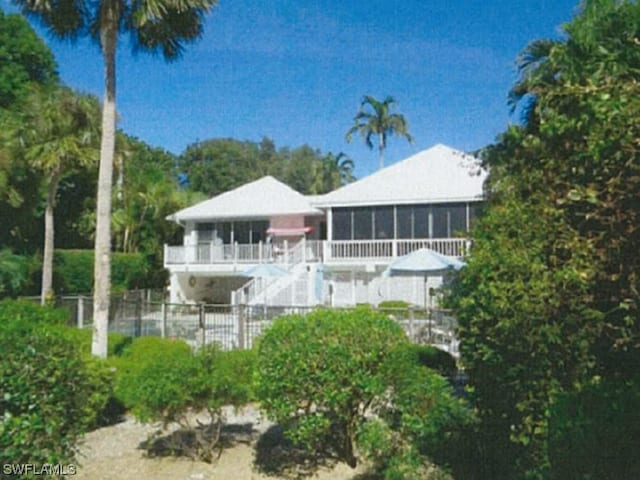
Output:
x=263 y=198
x=439 y=174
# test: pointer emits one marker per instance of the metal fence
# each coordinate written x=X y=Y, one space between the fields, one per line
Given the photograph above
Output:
x=144 y=313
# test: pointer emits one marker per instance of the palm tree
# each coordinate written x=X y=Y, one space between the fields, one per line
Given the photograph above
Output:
x=336 y=171
x=154 y=26
x=374 y=118
x=536 y=73
x=56 y=133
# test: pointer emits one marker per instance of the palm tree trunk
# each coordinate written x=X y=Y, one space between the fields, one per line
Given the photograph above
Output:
x=380 y=152
x=47 y=260
x=102 y=265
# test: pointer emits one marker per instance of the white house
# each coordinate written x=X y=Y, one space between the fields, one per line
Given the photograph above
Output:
x=331 y=249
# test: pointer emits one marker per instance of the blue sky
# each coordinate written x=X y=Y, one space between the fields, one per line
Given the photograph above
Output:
x=295 y=71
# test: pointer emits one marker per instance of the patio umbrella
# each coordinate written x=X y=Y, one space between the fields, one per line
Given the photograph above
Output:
x=425 y=261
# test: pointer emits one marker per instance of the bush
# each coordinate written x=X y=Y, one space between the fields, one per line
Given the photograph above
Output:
x=320 y=374
x=23 y=315
x=595 y=432
x=50 y=393
x=73 y=271
x=433 y=358
x=15 y=272
x=164 y=381
x=420 y=425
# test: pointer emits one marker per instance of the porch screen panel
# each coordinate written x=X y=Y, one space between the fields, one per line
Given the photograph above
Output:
x=205 y=232
x=362 y=223
x=259 y=231
x=457 y=219
x=341 y=224
x=475 y=210
x=224 y=231
x=383 y=223
x=440 y=221
x=420 y=221
x=241 y=232
x=404 y=221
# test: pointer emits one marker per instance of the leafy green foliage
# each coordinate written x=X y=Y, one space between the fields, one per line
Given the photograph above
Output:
x=50 y=393
x=218 y=165
x=164 y=381
x=595 y=431
x=374 y=118
x=73 y=271
x=549 y=300
x=24 y=57
x=319 y=374
x=14 y=273
x=419 y=429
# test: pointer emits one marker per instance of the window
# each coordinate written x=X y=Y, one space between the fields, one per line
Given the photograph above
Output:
x=440 y=221
x=259 y=231
x=362 y=224
x=205 y=232
x=421 y=221
x=241 y=232
x=475 y=210
x=404 y=221
x=341 y=224
x=383 y=223
x=224 y=231
x=457 y=219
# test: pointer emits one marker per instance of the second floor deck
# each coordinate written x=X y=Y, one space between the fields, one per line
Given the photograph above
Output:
x=211 y=256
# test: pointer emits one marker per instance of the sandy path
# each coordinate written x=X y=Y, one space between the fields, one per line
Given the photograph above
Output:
x=113 y=453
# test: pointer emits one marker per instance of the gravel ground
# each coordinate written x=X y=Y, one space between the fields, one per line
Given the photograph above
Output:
x=114 y=453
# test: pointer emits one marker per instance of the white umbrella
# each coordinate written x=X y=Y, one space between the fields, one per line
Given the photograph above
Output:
x=425 y=261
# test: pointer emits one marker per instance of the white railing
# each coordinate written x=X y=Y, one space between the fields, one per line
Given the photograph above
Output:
x=345 y=250
x=310 y=251
x=454 y=247
x=210 y=253
x=353 y=249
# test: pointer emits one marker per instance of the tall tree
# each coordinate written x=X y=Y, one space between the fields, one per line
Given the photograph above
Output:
x=56 y=133
x=549 y=304
x=333 y=172
x=24 y=59
x=153 y=26
x=375 y=119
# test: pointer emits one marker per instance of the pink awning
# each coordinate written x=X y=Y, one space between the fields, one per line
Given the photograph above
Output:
x=288 y=232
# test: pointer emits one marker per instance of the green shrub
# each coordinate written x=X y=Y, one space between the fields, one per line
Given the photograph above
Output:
x=595 y=432
x=15 y=272
x=319 y=374
x=73 y=271
x=50 y=393
x=421 y=423
x=433 y=358
x=164 y=381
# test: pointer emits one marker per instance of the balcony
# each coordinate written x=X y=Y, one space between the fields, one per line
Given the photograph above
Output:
x=331 y=252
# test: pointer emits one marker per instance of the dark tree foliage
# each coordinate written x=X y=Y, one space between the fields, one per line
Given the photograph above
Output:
x=549 y=303
x=24 y=59
x=216 y=166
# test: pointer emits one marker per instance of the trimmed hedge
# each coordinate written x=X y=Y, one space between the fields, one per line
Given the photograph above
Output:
x=73 y=271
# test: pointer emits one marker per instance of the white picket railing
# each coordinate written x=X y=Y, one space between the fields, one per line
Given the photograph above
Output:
x=309 y=251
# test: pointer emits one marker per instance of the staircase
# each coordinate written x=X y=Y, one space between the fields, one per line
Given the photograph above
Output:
x=292 y=289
